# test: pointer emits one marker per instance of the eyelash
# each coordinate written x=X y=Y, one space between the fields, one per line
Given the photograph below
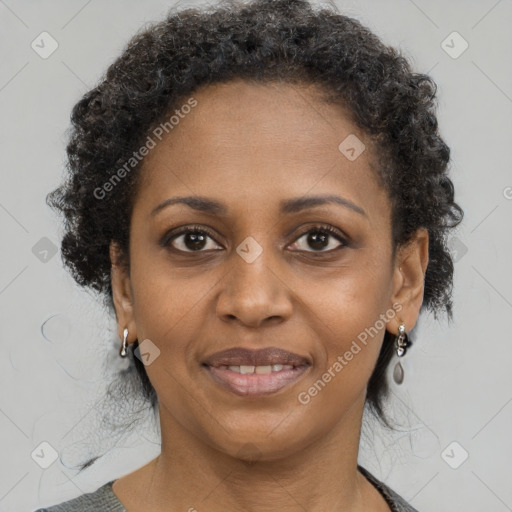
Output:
x=171 y=236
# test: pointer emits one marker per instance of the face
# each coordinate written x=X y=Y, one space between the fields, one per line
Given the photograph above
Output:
x=312 y=278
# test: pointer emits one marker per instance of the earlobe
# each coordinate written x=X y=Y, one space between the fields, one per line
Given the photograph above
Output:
x=409 y=279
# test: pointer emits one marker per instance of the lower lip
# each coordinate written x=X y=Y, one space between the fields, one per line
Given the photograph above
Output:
x=256 y=384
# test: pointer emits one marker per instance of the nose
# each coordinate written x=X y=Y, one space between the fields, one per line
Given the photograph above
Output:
x=254 y=293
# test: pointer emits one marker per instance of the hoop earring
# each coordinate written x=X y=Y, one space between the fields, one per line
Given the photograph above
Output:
x=401 y=343
x=122 y=351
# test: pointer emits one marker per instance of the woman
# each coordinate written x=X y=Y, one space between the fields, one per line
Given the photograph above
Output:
x=261 y=193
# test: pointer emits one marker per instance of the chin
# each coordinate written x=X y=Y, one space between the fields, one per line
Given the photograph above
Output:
x=258 y=446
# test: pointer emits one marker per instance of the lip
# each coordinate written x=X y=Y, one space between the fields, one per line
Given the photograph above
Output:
x=255 y=385
x=238 y=356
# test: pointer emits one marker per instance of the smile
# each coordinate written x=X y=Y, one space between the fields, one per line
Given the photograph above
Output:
x=245 y=380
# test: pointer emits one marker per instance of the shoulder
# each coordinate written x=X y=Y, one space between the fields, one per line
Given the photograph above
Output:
x=102 y=499
x=394 y=500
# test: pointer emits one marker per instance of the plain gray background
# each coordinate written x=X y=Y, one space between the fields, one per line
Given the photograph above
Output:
x=456 y=399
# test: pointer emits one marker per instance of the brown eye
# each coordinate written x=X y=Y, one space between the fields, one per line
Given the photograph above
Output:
x=190 y=240
x=321 y=239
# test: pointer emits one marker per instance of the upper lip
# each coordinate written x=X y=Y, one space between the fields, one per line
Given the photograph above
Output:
x=262 y=357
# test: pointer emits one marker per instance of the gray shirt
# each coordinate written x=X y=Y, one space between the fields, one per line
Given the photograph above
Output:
x=104 y=499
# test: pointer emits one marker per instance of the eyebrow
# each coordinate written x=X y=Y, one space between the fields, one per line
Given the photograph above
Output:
x=211 y=206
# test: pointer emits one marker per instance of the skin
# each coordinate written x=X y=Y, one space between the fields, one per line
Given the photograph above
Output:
x=250 y=146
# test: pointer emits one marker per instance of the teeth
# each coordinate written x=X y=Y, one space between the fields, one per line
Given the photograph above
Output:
x=263 y=369
x=245 y=369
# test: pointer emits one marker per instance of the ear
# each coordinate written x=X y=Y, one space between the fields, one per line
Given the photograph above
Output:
x=122 y=294
x=409 y=281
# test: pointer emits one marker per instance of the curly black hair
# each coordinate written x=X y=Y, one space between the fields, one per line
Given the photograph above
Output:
x=260 y=41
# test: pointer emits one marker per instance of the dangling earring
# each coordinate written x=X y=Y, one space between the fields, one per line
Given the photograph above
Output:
x=122 y=351
x=401 y=343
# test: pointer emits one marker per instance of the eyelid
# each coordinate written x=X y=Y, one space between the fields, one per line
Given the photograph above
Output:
x=335 y=232
x=174 y=233
x=330 y=230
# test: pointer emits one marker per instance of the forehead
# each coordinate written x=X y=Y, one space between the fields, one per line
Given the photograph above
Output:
x=253 y=143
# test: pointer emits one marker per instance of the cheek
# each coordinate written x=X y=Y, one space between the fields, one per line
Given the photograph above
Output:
x=165 y=301
x=350 y=329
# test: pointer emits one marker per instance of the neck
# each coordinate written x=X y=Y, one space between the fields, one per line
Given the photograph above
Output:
x=322 y=475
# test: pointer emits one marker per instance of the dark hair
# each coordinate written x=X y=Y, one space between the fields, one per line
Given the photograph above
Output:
x=260 y=41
